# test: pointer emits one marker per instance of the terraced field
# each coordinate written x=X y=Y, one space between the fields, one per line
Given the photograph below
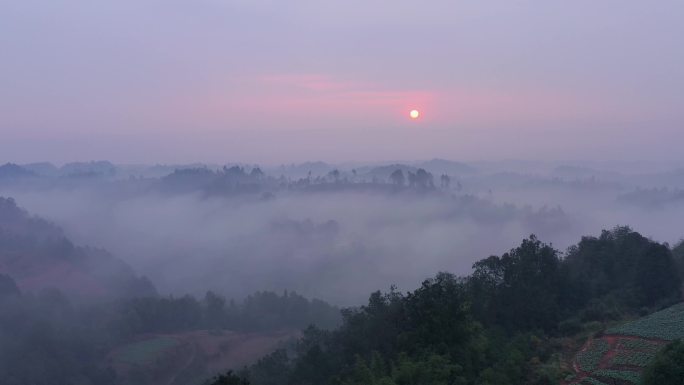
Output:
x=589 y=359
x=667 y=325
x=620 y=355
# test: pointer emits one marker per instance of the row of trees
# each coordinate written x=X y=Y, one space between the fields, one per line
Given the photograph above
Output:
x=262 y=311
x=236 y=179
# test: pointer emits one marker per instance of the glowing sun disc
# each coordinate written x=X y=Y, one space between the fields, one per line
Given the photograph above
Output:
x=414 y=114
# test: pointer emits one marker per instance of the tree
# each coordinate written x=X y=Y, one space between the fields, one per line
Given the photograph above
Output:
x=423 y=179
x=235 y=172
x=411 y=179
x=335 y=175
x=667 y=368
x=256 y=173
x=229 y=378
x=657 y=276
x=445 y=181
x=215 y=310
x=271 y=370
x=433 y=370
x=520 y=289
x=397 y=177
x=624 y=264
x=678 y=254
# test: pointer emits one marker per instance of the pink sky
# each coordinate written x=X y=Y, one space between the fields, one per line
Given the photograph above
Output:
x=211 y=80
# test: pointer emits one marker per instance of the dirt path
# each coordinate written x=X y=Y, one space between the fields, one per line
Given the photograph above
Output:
x=579 y=373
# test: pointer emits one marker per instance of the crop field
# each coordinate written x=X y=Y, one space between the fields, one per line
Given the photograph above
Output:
x=145 y=351
x=620 y=355
x=633 y=358
x=592 y=381
x=625 y=375
x=640 y=345
x=613 y=359
x=590 y=358
x=666 y=325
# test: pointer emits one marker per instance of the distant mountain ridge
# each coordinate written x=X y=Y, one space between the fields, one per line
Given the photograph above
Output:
x=11 y=170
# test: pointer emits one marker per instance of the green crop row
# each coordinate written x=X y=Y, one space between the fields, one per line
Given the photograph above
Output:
x=633 y=358
x=592 y=381
x=642 y=345
x=624 y=375
x=589 y=359
x=667 y=324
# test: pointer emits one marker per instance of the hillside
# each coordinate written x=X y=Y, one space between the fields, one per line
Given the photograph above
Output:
x=189 y=357
x=620 y=355
x=38 y=255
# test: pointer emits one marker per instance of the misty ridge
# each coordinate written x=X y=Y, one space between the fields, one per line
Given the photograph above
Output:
x=335 y=232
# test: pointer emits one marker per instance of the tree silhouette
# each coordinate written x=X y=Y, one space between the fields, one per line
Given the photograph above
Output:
x=445 y=181
x=397 y=177
x=229 y=378
x=335 y=175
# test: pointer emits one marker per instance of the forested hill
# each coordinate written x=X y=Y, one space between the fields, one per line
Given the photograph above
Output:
x=513 y=321
x=37 y=255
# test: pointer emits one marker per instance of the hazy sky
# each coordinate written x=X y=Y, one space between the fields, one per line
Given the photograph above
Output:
x=277 y=81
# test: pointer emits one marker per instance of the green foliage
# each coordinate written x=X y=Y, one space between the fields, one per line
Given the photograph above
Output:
x=44 y=339
x=624 y=375
x=668 y=366
x=520 y=289
x=592 y=381
x=271 y=369
x=427 y=336
x=641 y=345
x=261 y=311
x=589 y=359
x=622 y=264
x=432 y=370
x=633 y=358
x=666 y=324
x=230 y=378
x=490 y=328
x=678 y=254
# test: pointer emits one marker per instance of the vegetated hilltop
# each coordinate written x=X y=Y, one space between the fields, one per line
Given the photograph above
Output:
x=507 y=323
x=37 y=255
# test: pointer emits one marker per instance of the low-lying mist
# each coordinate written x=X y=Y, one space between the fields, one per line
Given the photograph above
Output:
x=337 y=244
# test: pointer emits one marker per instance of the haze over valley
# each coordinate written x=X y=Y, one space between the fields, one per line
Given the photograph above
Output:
x=335 y=232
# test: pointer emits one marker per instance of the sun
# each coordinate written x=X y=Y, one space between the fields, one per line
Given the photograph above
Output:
x=414 y=114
